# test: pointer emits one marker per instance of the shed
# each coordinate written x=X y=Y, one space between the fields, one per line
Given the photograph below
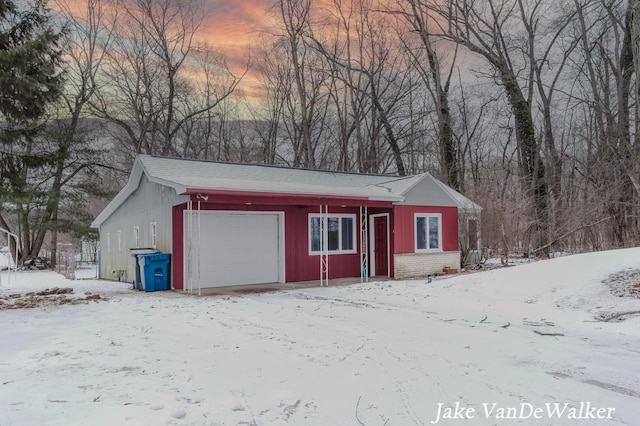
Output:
x=235 y=224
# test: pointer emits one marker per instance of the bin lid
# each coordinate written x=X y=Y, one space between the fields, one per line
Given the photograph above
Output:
x=159 y=257
x=137 y=251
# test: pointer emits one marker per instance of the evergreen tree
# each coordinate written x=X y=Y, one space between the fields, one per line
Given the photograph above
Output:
x=29 y=60
x=30 y=81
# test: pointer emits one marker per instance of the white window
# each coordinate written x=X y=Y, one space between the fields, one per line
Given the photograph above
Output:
x=136 y=236
x=338 y=230
x=119 y=233
x=154 y=234
x=108 y=242
x=428 y=232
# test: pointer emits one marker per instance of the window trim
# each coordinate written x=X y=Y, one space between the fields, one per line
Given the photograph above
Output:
x=108 y=238
x=153 y=234
x=119 y=234
x=136 y=236
x=338 y=216
x=415 y=232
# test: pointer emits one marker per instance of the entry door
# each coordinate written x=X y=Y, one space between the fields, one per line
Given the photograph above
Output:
x=381 y=245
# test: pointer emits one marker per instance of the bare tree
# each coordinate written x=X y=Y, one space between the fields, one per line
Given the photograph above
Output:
x=154 y=81
x=606 y=69
x=416 y=13
x=268 y=113
x=365 y=48
x=486 y=28
x=295 y=20
x=87 y=39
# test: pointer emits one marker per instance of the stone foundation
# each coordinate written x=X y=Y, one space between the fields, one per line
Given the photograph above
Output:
x=417 y=265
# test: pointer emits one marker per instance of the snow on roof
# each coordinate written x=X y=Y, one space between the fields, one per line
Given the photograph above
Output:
x=188 y=176
x=184 y=174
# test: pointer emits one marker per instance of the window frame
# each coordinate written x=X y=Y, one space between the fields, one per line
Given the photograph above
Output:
x=108 y=241
x=427 y=216
x=324 y=230
x=136 y=236
x=119 y=235
x=153 y=234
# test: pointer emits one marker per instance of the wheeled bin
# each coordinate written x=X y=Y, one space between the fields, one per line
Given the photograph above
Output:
x=136 y=252
x=155 y=271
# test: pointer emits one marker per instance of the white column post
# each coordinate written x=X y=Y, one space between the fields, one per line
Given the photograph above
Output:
x=199 y=248
x=324 y=250
x=364 y=253
x=188 y=285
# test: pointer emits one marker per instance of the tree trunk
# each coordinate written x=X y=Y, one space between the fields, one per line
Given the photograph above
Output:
x=531 y=163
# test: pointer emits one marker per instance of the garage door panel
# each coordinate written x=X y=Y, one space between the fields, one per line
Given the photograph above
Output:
x=239 y=248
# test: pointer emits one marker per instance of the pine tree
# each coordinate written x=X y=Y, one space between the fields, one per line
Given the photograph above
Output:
x=30 y=81
x=29 y=61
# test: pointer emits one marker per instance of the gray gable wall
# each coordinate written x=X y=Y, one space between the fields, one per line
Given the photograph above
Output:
x=150 y=202
x=428 y=193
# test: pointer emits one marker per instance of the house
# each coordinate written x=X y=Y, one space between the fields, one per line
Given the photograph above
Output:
x=234 y=224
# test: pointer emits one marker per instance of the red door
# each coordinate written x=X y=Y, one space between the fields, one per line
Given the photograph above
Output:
x=380 y=243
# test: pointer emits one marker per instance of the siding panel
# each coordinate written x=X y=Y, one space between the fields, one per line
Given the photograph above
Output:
x=151 y=202
x=404 y=236
x=299 y=265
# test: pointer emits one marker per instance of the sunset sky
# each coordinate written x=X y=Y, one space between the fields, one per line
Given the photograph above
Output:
x=230 y=26
x=233 y=23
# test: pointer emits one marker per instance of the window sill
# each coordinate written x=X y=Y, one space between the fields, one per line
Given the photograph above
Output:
x=333 y=252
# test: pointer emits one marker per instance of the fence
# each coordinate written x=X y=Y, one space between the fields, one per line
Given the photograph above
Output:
x=75 y=266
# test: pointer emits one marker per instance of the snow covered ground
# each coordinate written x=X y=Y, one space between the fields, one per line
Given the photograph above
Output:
x=519 y=345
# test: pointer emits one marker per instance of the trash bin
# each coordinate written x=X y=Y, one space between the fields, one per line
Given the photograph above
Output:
x=154 y=270
x=136 y=252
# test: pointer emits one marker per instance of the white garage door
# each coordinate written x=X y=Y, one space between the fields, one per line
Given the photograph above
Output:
x=239 y=248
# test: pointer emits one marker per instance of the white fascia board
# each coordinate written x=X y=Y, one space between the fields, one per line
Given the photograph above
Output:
x=391 y=198
x=129 y=188
x=180 y=189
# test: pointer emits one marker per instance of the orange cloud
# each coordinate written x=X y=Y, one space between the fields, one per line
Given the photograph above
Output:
x=231 y=24
x=231 y=27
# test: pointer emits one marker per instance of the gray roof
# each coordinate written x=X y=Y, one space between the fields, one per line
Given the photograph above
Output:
x=182 y=175
x=195 y=175
x=461 y=201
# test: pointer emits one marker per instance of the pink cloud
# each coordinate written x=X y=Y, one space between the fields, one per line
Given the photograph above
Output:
x=233 y=23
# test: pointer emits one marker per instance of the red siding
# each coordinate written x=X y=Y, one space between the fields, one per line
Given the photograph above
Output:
x=404 y=235
x=299 y=265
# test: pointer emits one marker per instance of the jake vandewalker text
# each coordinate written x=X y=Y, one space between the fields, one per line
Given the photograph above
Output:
x=522 y=411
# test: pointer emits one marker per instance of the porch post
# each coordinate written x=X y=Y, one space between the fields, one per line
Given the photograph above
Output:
x=199 y=246
x=324 y=249
x=188 y=285
x=364 y=253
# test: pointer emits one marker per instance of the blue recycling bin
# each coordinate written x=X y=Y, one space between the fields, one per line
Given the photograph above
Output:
x=155 y=270
x=135 y=252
